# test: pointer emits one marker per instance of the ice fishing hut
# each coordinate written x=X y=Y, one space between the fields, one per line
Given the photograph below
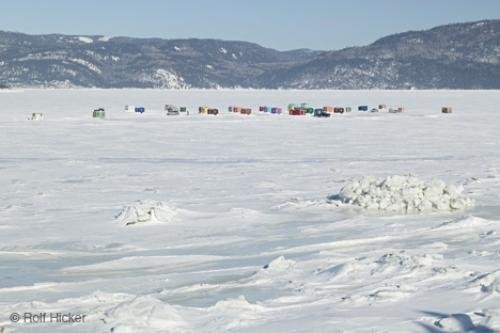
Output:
x=320 y=113
x=36 y=116
x=172 y=110
x=99 y=113
x=208 y=110
x=304 y=106
x=297 y=111
x=397 y=110
x=446 y=109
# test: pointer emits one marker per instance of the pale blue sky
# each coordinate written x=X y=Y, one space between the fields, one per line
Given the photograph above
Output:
x=281 y=24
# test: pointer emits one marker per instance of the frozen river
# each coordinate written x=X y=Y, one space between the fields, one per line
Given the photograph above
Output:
x=251 y=243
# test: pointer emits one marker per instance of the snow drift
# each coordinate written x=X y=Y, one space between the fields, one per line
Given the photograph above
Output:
x=147 y=212
x=402 y=194
x=146 y=314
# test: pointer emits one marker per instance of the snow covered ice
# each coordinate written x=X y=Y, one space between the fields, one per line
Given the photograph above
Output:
x=230 y=229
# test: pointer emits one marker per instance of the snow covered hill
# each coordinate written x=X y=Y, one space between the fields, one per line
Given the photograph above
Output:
x=465 y=55
x=97 y=61
x=456 y=56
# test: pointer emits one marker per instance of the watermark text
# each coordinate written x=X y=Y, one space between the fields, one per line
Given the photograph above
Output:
x=47 y=318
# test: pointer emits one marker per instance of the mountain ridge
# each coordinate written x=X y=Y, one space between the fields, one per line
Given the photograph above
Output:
x=453 y=56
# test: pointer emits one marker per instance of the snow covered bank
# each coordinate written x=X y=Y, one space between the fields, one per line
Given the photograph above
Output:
x=403 y=194
x=147 y=212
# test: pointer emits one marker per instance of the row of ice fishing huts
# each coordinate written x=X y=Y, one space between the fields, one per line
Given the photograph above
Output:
x=301 y=109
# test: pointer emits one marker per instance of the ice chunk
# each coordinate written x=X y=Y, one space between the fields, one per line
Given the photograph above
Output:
x=403 y=194
x=147 y=212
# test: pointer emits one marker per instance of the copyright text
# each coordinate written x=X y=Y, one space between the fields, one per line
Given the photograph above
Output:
x=47 y=317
